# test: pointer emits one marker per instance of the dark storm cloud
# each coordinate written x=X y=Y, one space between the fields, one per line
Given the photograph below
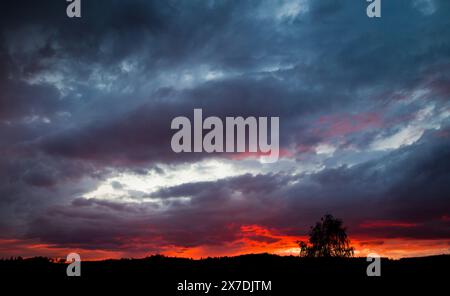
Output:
x=82 y=98
x=304 y=84
x=208 y=216
x=409 y=186
x=246 y=184
x=142 y=135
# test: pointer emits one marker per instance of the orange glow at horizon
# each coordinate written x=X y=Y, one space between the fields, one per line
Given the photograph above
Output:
x=252 y=239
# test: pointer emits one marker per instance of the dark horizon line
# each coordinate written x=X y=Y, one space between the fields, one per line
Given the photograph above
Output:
x=56 y=259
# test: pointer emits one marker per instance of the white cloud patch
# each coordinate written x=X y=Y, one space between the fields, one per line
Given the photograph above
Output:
x=426 y=7
x=138 y=185
x=325 y=148
x=425 y=119
x=282 y=10
x=404 y=137
x=132 y=187
x=291 y=9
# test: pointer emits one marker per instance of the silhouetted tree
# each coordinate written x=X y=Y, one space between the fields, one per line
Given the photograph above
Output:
x=328 y=238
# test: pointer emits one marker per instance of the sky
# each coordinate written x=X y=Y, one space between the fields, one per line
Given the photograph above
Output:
x=86 y=104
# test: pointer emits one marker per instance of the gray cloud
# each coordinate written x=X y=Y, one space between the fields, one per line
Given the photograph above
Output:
x=82 y=100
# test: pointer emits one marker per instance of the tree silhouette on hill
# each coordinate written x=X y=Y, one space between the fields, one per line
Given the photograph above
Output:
x=328 y=238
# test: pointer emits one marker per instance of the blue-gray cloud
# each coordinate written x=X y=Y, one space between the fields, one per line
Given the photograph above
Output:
x=365 y=100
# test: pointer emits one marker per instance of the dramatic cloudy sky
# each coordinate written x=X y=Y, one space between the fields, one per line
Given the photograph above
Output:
x=86 y=106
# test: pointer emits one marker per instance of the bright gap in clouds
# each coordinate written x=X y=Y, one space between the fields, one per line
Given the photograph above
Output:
x=133 y=187
x=427 y=118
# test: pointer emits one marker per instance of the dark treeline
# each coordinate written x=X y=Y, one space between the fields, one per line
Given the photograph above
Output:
x=287 y=273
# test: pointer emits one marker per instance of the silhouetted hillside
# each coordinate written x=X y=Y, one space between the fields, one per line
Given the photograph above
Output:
x=285 y=273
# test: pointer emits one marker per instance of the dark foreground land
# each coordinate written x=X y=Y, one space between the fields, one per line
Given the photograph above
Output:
x=158 y=275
